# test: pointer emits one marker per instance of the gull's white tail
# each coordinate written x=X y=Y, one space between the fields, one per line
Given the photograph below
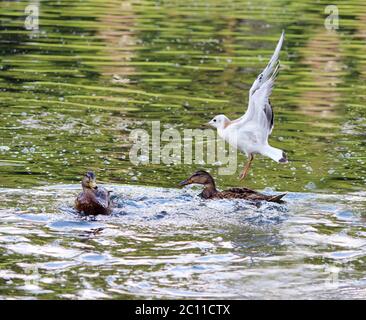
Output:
x=275 y=154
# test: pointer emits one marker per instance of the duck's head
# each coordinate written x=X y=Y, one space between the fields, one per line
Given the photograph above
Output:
x=220 y=122
x=89 y=181
x=199 y=177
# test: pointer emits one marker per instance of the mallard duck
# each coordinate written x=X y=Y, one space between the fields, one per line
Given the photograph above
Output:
x=210 y=191
x=93 y=200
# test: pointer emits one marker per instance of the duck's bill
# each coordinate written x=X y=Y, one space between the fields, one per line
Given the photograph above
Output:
x=184 y=183
x=93 y=185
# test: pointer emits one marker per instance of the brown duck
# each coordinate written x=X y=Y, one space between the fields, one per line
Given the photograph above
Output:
x=94 y=199
x=210 y=191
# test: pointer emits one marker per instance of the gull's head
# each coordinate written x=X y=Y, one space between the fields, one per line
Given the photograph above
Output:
x=219 y=122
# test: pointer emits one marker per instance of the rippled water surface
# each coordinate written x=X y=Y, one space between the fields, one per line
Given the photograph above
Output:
x=70 y=94
x=170 y=243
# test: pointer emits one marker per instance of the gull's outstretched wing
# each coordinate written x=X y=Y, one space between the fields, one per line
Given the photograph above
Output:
x=259 y=106
x=259 y=101
x=269 y=69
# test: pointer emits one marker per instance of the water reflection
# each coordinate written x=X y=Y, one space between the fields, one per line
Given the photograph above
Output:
x=119 y=37
x=323 y=57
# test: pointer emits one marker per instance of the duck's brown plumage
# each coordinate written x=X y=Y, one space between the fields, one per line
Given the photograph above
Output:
x=210 y=191
x=94 y=199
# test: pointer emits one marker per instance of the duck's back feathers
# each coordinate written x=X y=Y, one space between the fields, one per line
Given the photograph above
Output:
x=240 y=190
x=94 y=202
x=102 y=196
x=247 y=194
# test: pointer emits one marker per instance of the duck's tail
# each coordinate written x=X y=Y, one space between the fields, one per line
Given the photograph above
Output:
x=277 y=198
x=275 y=154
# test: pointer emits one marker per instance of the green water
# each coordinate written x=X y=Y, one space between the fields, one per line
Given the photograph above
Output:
x=71 y=92
x=185 y=63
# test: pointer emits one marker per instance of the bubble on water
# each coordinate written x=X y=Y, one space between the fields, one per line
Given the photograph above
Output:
x=310 y=186
x=4 y=148
x=143 y=158
x=268 y=190
x=309 y=169
x=346 y=155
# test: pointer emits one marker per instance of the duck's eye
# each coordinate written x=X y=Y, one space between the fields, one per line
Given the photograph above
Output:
x=214 y=120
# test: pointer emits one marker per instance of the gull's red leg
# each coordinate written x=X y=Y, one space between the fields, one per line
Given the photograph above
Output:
x=246 y=168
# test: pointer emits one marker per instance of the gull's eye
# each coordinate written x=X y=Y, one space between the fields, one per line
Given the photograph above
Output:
x=214 y=120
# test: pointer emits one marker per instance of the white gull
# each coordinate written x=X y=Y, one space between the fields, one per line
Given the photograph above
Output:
x=250 y=133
